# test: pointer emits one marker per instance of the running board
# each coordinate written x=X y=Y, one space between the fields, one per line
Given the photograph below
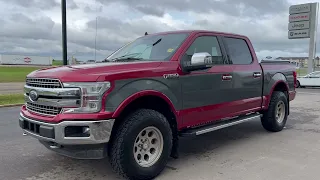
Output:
x=219 y=125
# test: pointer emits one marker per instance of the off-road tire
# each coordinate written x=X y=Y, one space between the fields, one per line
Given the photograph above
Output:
x=269 y=121
x=121 y=153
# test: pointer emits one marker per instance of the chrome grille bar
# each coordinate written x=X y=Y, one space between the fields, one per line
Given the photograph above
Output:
x=54 y=102
x=41 y=109
x=43 y=82
x=56 y=92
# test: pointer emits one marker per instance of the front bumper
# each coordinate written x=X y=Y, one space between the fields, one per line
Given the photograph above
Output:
x=100 y=131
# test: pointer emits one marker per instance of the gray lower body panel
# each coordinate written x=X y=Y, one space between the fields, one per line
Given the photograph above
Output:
x=93 y=151
x=57 y=138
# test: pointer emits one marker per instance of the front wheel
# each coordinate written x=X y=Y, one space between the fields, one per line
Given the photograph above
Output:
x=275 y=118
x=142 y=145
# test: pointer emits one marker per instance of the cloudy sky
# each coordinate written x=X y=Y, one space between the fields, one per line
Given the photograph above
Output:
x=33 y=27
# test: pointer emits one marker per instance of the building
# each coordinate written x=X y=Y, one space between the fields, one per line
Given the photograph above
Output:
x=300 y=61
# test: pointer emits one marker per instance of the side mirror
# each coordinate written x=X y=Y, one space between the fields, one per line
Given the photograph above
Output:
x=202 y=58
x=199 y=61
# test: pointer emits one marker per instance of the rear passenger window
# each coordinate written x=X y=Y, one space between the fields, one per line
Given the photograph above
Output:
x=239 y=51
x=207 y=44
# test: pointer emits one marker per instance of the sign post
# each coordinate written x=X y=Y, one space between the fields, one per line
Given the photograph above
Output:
x=303 y=23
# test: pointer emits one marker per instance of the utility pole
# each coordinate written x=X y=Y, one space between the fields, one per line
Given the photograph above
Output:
x=95 y=40
x=64 y=31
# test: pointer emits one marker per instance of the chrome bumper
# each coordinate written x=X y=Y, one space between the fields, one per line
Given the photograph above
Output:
x=100 y=131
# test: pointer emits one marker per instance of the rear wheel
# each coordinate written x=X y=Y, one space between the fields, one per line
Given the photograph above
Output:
x=275 y=118
x=142 y=145
x=298 y=84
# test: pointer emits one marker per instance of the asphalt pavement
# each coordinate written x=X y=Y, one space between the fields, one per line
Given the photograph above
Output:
x=242 y=152
x=11 y=88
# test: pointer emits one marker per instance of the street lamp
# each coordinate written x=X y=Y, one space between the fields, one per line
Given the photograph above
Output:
x=64 y=31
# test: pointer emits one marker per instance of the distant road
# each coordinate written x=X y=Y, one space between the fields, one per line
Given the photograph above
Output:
x=11 y=88
x=14 y=65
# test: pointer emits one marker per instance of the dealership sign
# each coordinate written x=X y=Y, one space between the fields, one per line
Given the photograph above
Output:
x=303 y=23
x=300 y=8
x=302 y=20
x=302 y=33
x=299 y=25
x=299 y=17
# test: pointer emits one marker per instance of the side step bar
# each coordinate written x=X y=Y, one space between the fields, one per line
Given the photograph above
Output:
x=219 y=125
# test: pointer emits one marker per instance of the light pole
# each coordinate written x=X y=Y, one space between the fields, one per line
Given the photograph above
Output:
x=64 y=31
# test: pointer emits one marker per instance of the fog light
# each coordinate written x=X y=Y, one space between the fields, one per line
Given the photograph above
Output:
x=86 y=130
x=77 y=131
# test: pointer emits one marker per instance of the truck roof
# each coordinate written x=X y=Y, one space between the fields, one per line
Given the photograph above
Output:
x=197 y=31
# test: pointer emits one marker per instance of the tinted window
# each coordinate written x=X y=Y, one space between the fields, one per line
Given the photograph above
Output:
x=207 y=44
x=239 y=51
x=151 y=47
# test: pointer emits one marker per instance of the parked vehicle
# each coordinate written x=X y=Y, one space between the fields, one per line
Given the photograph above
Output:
x=134 y=107
x=309 y=80
x=90 y=61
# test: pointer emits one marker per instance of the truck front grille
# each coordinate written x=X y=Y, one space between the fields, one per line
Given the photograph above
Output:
x=41 y=109
x=43 y=82
x=46 y=96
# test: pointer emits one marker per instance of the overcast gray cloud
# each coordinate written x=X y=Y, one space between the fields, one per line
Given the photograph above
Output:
x=231 y=7
x=33 y=3
x=34 y=26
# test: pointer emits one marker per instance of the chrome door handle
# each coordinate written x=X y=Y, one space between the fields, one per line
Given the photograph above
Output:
x=226 y=77
x=256 y=74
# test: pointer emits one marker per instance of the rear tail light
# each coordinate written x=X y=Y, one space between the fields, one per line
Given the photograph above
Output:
x=295 y=78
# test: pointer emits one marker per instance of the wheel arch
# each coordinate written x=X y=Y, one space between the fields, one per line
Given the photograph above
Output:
x=281 y=86
x=148 y=99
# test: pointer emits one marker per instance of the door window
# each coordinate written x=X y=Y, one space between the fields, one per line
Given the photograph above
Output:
x=207 y=44
x=238 y=50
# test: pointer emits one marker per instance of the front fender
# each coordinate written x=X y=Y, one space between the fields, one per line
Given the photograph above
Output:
x=125 y=91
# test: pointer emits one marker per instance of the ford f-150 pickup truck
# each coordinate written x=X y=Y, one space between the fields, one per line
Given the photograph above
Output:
x=135 y=107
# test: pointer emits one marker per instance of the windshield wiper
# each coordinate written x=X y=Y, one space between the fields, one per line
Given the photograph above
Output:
x=126 y=59
x=157 y=42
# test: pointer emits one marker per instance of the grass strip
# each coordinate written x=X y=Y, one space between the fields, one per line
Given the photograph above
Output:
x=7 y=99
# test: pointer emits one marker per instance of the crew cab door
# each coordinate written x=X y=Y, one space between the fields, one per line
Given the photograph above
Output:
x=205 y=93
x=247 y=75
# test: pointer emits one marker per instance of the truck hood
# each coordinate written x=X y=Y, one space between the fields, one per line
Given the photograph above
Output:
x=91 y=72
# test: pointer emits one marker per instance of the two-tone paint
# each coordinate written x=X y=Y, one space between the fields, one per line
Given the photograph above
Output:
x=195 y=97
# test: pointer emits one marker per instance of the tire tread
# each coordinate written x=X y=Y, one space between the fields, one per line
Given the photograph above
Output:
x=268 y=120
x=116 y=150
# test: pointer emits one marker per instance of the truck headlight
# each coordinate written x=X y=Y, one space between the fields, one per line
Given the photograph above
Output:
x=91 y=96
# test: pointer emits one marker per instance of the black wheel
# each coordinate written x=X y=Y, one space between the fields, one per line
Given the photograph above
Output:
x=275 y=118
x=298 y=84
x=142 y=145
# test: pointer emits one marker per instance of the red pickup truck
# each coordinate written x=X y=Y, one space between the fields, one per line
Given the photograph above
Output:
x=152 y=91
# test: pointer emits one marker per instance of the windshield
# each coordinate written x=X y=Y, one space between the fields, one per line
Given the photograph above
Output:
x=151 y=47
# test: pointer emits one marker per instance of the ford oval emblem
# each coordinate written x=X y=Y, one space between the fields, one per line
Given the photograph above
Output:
x=33 y=95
